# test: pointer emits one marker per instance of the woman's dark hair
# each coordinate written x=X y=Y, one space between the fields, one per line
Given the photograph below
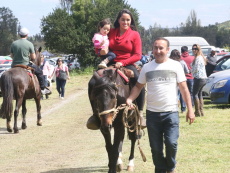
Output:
x=102 y=23
x=58 y=60
x=132 y=25
x=175 y=55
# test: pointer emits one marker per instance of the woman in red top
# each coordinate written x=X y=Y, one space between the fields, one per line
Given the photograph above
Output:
x=125 y=42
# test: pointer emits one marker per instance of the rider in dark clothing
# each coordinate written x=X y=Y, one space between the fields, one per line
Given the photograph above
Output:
x=21 y=50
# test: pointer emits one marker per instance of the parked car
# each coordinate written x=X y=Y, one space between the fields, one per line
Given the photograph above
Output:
x=222 y=64
x=220 y=55
x=3 y=68
x=74 y=64
x=5 y=60
x=213 y=82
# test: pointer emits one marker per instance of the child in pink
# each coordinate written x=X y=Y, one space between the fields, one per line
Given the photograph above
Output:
x=101 y=43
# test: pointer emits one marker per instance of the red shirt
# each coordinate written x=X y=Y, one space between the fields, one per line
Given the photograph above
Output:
x=126 y=47
x=188 y=59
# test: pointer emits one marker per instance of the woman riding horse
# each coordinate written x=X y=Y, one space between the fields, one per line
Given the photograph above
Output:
x=125 y=42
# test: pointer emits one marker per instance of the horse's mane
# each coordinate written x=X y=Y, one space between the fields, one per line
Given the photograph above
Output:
x=103 y=83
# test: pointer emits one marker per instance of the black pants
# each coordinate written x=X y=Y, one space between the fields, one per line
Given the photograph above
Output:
x=197 y=88
x=140 y=99
x=38 y=72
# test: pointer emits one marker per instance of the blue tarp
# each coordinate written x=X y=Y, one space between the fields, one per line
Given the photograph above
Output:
x=46 y=53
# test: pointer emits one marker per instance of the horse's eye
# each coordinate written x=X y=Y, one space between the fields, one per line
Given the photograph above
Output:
x=112 y=96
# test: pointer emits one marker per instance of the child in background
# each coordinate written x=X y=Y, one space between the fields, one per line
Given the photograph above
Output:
x=101 y=43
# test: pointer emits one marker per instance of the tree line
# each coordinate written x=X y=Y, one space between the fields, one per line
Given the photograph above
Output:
x=70 y=28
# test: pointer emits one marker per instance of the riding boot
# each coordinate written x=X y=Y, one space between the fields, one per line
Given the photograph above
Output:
x=93 y=122
x=197 y=107
x=201 y=107
x=143 y=121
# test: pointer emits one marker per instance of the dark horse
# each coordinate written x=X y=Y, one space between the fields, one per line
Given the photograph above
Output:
x=108 y=93
x=17 y=84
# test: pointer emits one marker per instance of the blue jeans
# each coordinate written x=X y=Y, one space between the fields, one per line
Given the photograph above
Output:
x=110 y=56
x=190 y=88
x=46 y=84
x=60 y=86
x=163 y=127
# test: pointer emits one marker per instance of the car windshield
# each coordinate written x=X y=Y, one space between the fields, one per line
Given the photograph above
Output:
x=205 y=51
x=223 y=65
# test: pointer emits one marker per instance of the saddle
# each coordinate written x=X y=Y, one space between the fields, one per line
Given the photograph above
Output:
x=125 y=73
x=30 y=70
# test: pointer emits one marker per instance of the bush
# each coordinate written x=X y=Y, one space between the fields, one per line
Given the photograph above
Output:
x=83 y=71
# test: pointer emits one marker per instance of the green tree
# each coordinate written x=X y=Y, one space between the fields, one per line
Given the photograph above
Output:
x=59 y=31
x=8 y=30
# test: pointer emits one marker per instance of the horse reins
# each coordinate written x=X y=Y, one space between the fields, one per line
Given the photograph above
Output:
x=125 y=119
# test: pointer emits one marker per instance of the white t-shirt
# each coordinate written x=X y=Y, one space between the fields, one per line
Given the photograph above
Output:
x=162 y=84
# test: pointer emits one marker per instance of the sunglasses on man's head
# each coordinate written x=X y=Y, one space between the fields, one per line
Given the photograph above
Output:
x=194 y=48
x=59 y=60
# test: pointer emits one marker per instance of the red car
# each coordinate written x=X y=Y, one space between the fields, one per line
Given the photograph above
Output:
x=5 y=61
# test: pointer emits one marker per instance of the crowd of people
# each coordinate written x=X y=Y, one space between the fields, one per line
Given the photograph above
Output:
x=169 y=79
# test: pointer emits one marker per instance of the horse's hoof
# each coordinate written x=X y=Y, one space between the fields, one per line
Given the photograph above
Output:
x=119 y=167
x=10 y=130
x=39 y=122
x=130 y=168
x=24 y=126
x=16 y=131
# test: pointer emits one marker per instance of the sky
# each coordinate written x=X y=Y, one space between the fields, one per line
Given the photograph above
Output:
x=167 y=13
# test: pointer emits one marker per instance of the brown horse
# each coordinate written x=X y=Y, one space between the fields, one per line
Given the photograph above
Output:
x=17 y=84
x=108 y=93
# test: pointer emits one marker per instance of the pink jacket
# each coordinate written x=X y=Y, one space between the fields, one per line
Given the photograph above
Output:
x=46 y=69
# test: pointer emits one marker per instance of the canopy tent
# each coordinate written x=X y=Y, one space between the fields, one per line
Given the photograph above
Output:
x=46 y=53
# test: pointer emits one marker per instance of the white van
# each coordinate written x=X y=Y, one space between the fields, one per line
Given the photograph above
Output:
x=178 y=42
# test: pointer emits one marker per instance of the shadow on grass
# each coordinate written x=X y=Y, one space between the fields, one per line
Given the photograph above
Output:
x=80 y=170
x=208 y=104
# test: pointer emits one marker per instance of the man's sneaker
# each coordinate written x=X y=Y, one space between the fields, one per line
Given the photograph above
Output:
x=102 y=65
x=59 y=95
x=46 y=91
x=62 y=97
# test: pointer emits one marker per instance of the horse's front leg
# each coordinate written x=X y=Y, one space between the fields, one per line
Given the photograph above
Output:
x=119 y=133
x=24 y=110
x=16 y=111
x=132 y=137
x=38 y=105
x=108 y=145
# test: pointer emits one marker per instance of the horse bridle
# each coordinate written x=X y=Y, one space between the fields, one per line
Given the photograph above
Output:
x=114 y=109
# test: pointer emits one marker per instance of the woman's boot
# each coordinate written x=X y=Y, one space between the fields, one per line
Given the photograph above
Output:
x=197 y=107
x=143 y=121
x=93 y=122
x=201 y=106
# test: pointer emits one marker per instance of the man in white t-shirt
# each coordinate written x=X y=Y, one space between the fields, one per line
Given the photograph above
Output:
x=163 y=75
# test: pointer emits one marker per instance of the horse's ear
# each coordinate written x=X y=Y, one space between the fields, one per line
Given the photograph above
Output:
x=40 y=49
x=96 y=76
x=114 y=77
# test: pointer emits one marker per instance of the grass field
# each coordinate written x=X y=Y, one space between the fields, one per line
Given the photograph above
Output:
x=64 y=144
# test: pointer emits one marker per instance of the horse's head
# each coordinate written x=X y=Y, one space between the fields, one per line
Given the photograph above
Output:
x=37 y=60
x=105 y=96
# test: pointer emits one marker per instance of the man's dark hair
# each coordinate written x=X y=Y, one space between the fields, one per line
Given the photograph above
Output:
x=23 y=36
x=184 y=49
x=132 y=25
x=162 y=38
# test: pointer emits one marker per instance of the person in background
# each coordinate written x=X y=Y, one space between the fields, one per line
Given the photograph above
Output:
x=200 y=78
x=211 y=62
x=61 y=83
x=163 y=75
x=21 y=52
x=175 y=55
x=188 y=60
x=143 y=59
x=45 y=67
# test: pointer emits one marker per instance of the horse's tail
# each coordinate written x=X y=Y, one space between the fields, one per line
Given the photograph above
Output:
x=7 y=94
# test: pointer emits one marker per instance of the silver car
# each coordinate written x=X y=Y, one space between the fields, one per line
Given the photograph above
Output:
x=212 y=80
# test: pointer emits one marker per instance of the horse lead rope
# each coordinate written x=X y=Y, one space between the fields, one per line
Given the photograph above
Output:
x=125 y=118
